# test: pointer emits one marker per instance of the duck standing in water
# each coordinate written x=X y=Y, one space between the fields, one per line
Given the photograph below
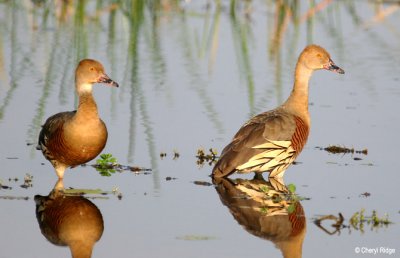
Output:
x=69 y=139
x=69 y=220
x=271 y=141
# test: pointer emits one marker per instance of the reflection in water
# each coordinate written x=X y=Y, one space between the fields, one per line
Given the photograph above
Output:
x=266 y=213
x=241 y=32
x=72 y=221
x=33 y=33
x=193 y=69
x=138 y=99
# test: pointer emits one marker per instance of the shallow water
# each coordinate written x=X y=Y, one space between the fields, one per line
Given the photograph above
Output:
x=190 y=74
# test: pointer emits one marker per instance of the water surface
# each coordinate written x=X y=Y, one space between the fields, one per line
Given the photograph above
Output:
x=190 y=74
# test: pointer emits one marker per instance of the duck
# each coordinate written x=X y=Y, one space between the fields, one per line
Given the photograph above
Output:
x=265 y=212
x=69 y=220
x=72 y=138
x=271 y=141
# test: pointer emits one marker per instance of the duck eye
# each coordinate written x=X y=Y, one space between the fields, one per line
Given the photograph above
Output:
x=91 y=68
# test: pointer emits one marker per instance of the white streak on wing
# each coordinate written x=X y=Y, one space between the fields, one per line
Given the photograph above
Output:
x=251 y=163
x=268 y=154
x=275 y=158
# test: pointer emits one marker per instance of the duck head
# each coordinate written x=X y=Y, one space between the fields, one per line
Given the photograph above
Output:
x=315 y=58
x=90 y=71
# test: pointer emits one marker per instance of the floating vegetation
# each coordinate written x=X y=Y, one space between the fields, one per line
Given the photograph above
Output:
x=291 y=188
x=106 y=159
x=195 y=238
x=163 y=155
x=335 y=149
x=93 y=193
x=357 y=221
x=3 y=186
x=366 y=194
x=202 y=157
x=337 y=225
x=8 y=197
x=27 y=181
x=76 y=191
x=116 y=192
x=175 y=155
x=284 y=195
x=203 y=183
x=107 y=165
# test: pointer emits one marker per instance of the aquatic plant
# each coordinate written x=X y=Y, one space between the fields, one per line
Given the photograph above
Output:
x=106 y=164
x=203 y=157
x=94 y=193
x=357 y=221
x=336 y=149
x=291 y=188
x=195 y=237
x=288 y=198
x=175 y=154
x=28 y=178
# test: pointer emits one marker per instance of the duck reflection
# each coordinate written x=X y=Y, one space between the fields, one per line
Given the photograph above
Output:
x=72 y=221
x=266 y=211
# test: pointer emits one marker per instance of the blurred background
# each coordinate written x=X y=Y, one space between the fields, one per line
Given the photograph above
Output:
x=190 y=74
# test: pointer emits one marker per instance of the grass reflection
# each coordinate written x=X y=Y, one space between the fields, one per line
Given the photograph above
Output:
x=46 y=39
x=241 y=30
x=135 y=15
x=13 y=39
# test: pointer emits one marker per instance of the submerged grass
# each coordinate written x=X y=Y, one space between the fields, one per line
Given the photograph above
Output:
x=195 y=237
x=107 y=165
x=357 y=221
x=27 y=182
x=93 y=193
x=206 y=158
x=336 y=149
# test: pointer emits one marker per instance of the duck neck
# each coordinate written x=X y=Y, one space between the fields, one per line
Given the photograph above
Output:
x=81 y=249
x=298 y=99
x=87 y=108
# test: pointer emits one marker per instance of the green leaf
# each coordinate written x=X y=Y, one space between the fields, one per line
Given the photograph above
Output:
x=291 y=188
x=291 y=208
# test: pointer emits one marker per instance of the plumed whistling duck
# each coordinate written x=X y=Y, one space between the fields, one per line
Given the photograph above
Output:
x=271 y=141
x=69 y=139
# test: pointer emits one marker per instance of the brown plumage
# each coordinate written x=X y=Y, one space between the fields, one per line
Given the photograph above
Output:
x=68 y=139
x=271 y=141
x=264 y=212
x=72 y=221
